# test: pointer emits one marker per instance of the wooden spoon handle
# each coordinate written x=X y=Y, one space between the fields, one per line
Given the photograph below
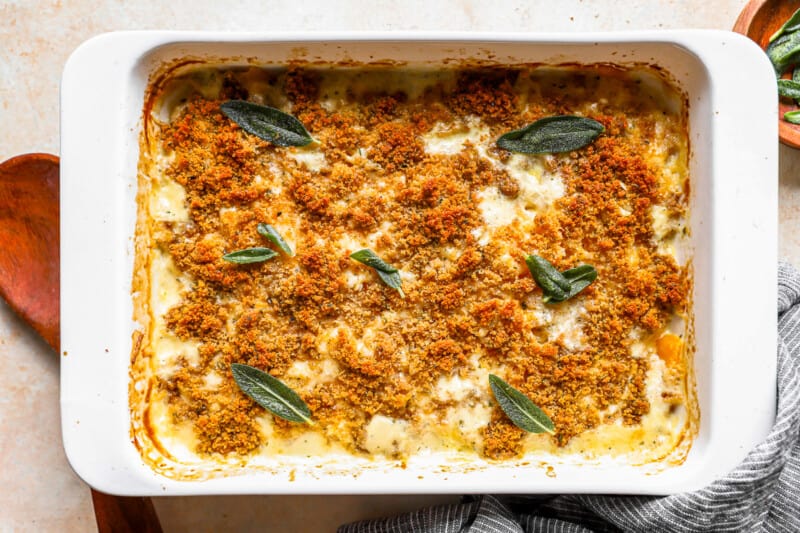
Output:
x=30 y=283
x=124 y=514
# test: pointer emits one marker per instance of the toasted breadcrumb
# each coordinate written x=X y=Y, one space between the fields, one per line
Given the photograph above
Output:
x=420 y=212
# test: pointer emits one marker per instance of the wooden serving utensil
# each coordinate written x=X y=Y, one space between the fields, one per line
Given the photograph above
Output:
x=29 y=282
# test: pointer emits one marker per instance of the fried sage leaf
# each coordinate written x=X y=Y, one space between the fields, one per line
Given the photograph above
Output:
x=267 y=123
x=250 y=255
x=559 y=286
x=552 y=282
x=791 y=25
x=519 y=408
x=580 y=277
x=370 y=258
x=552 y=135
x=267 y=231
x=271 y=393
x=388 y=274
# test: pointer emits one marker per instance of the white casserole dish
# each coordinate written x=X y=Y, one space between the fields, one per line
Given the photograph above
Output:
x=733 y=167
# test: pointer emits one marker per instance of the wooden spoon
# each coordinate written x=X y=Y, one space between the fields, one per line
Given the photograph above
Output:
x=29 y=282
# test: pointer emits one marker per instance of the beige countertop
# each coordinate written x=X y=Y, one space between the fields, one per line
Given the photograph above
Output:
x=39 y=490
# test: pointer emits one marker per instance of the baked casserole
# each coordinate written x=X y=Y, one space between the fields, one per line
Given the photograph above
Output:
x=405 y=162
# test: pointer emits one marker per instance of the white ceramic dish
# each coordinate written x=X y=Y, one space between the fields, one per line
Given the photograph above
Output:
x=734 y=209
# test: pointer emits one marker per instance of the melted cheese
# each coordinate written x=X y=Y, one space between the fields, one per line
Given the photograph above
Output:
x=441 y=140
x=313 y=160
x=387 y=436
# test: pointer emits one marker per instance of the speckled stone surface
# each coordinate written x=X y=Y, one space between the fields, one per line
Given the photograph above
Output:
x=38 y=490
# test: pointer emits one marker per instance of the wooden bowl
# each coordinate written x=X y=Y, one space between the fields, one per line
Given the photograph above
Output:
x=759 y=20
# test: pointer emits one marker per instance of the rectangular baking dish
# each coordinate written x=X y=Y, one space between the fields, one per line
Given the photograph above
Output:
x=733 y=167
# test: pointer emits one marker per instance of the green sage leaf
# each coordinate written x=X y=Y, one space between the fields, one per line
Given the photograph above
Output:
x=792 y=116
x=267 y=123
x=519 y=408
x=551 y=135
x=250 y=255
x=267 y=231
x=392 y=279
x=552 y=282
x=580 y=277
x=388 y=274
x=789 y=89
x=370 y=258
x=784 y=51
x=271 y=393
x=793 y=24
x=559 y=286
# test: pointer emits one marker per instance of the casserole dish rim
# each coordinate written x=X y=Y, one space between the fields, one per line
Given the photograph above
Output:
x=123 y=52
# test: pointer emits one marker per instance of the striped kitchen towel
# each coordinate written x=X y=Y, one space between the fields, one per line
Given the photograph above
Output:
x=762 y=494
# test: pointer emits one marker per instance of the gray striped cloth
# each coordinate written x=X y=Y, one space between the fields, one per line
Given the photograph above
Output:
x=762 y=494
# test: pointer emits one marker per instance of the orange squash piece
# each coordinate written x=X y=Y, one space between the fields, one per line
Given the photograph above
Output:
x=670 y=349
